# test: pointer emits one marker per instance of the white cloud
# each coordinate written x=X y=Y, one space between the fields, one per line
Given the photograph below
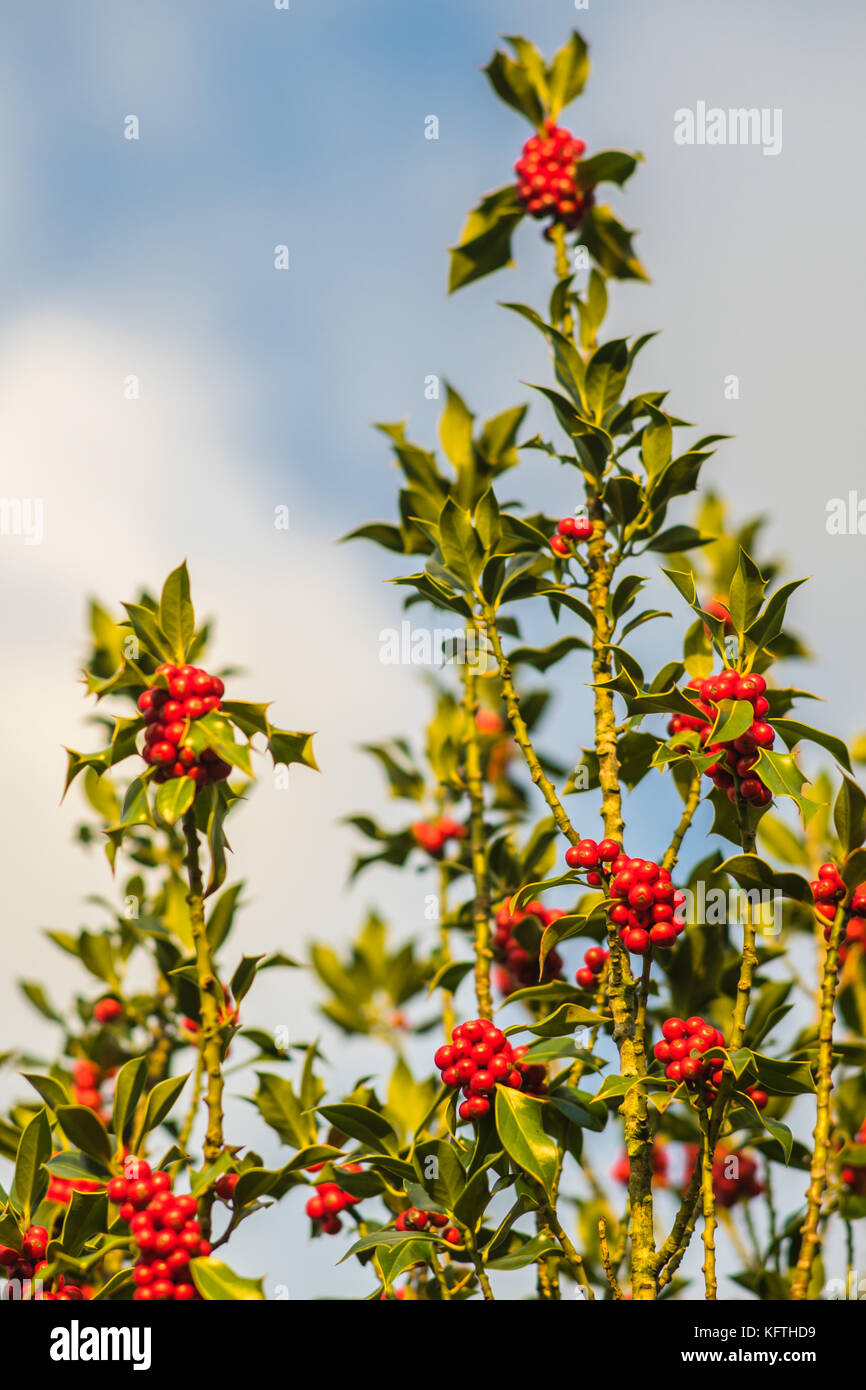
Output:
x=130 y=487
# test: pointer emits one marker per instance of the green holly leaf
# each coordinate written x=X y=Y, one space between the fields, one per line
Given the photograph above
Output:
x=485 y=243
x=369 y=1127
x=161 y=1100
x=86 y=1216
x=567 y=73
x=849 y=815
x=127 y=1091
x=519 y=1126
x=148 y=631
x=217 y=1283
x=793 y=732
x=286 y=748
x=610 y=245
x=518 y=83
x=34 y=1151
x=174 y=798
x=176 y=613
x=752 y=872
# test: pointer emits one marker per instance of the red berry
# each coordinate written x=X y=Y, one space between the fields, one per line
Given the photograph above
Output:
x=105 y=1010
x=585 y=978
x=663 y=934
x=763 y=735
x=595 y=957
x=636 y=940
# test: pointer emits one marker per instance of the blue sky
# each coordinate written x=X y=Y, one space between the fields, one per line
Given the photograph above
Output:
x=155 y=258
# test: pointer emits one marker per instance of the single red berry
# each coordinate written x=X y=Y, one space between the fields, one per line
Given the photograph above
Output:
x=585 y=978
x=106 y=1010
x=663 y=934
x=636 y=940
x=763 y=734
x=595 y=958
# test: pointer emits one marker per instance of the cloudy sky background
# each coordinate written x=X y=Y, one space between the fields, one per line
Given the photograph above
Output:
x=155 y=258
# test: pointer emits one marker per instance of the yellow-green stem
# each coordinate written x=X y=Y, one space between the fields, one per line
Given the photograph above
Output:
x=606 y=1260
x=478 y=842
x=448 y=1016
x=521 y=733
x=628 y=1032
x=573 y=1258
x=811 y=1232
x=208 y=1034
x=708 y=1206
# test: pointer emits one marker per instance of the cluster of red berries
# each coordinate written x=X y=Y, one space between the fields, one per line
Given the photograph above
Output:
x=479 y=1058
x=645 y=910
x=735 y=1175
x=594 y=961
x=733 y=771
x=417 y=1220
x=621 y=1170
x=60 y=1190
x=87 y=1077
x=547 y=176
x=330 y=1200
x=189 y=693
x=164 y=1226
x=434 y=835
x=518 y=967
x=828 y=890
x=569 y=530
x=28 y=1263
x=855 y=1178
x=682 y=1047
